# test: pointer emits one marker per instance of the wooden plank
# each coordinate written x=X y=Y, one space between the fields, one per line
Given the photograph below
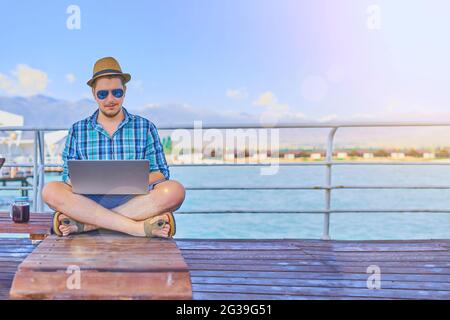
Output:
x=6 y=250
x=4 y=216
x=100 y=264
x=110 y=266
x=236 y=246
x=329 y=255
x=304 y=257
x=326 y=245
x=38 y=227
x=5 y=264
x=102 y=285
x=313 y=242
x=320 y=253
x=14 y=241
x=322 y=268
x=9 y=270
x=18 y=249
x=325 y=292
x=96 y=245
x=317 y=275
x=338 y=283
x=200 y=295
x=12 y=259
x=312 y=262
x=313 y=250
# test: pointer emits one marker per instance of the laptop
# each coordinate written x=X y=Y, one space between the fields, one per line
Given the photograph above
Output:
x=109 y=176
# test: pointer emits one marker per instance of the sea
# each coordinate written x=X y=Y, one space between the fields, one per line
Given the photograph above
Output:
x=279 y=225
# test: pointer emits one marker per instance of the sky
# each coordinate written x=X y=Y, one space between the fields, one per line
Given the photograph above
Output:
x=285 y=59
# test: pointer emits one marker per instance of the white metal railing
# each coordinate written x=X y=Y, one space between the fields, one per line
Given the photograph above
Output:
x=39 y=165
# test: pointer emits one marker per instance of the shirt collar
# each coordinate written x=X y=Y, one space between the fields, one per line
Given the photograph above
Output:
x=128 y=117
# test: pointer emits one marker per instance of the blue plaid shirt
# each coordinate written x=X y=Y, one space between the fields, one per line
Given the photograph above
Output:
x=136 y=138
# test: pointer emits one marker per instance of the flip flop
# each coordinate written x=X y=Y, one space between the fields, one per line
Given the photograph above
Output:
x=66 y=222
x=159 y=224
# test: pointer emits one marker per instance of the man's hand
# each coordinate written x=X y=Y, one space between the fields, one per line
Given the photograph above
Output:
x=155 y=176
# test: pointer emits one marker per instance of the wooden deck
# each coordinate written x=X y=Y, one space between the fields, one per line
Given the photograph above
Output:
x=38 y=227
x=294 y=269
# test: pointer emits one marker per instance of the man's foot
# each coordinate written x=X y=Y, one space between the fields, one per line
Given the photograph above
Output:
x=157 y=226
x=72 y=228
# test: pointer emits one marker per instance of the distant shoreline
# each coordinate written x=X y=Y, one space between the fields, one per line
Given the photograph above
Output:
x=252 y=160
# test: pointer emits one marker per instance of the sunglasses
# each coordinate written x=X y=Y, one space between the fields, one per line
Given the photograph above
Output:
x=102 y=94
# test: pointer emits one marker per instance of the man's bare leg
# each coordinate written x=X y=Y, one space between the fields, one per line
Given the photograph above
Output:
x=60 y=197
x=68 y=229
x=166 y=196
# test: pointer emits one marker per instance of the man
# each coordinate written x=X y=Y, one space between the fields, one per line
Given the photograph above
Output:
x=113 y=133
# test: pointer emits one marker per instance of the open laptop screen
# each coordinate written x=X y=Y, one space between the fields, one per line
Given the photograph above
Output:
x=109 y=176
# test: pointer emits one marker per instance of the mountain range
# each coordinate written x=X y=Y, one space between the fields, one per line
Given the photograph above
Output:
x=45 y=111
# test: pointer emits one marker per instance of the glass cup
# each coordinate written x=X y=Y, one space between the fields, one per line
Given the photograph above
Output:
x=20 y=210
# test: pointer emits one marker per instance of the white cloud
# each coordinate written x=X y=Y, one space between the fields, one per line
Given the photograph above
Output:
x=152 y=106
x=237 y=94
x=266 y=99
x=275 y=112
x=364 y=117
x=25 y=81
x=70 y=77
x=328 y=118
x=356 y=117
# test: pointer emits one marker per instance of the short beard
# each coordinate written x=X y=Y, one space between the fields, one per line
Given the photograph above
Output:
x=110 y=115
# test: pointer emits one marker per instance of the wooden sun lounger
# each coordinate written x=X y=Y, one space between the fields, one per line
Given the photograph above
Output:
x=103 y=265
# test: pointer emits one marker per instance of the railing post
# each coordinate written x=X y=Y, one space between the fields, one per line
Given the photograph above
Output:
x=35 y=172
x=329 y=159
x=41 y=169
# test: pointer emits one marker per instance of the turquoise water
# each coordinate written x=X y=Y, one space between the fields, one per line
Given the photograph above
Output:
x=309 y=226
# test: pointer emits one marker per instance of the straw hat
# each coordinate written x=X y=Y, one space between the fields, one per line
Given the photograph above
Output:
x=107 y=66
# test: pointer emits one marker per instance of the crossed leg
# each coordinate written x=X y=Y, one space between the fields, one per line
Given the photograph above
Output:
x=129 y=217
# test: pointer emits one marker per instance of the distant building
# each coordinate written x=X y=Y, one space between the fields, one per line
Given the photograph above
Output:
x=429 y=155
x=229 y=156
x=259 y=157
x=342 y=155
x=316 y=156
x=13 y=144
x=368 y=155
x=8 y=119
x=262 y=156
x=397 y=155
x=289 y=156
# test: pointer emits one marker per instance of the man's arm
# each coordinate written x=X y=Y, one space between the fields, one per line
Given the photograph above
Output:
x=69 y=153
x=155 y=176
x=154 y=152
